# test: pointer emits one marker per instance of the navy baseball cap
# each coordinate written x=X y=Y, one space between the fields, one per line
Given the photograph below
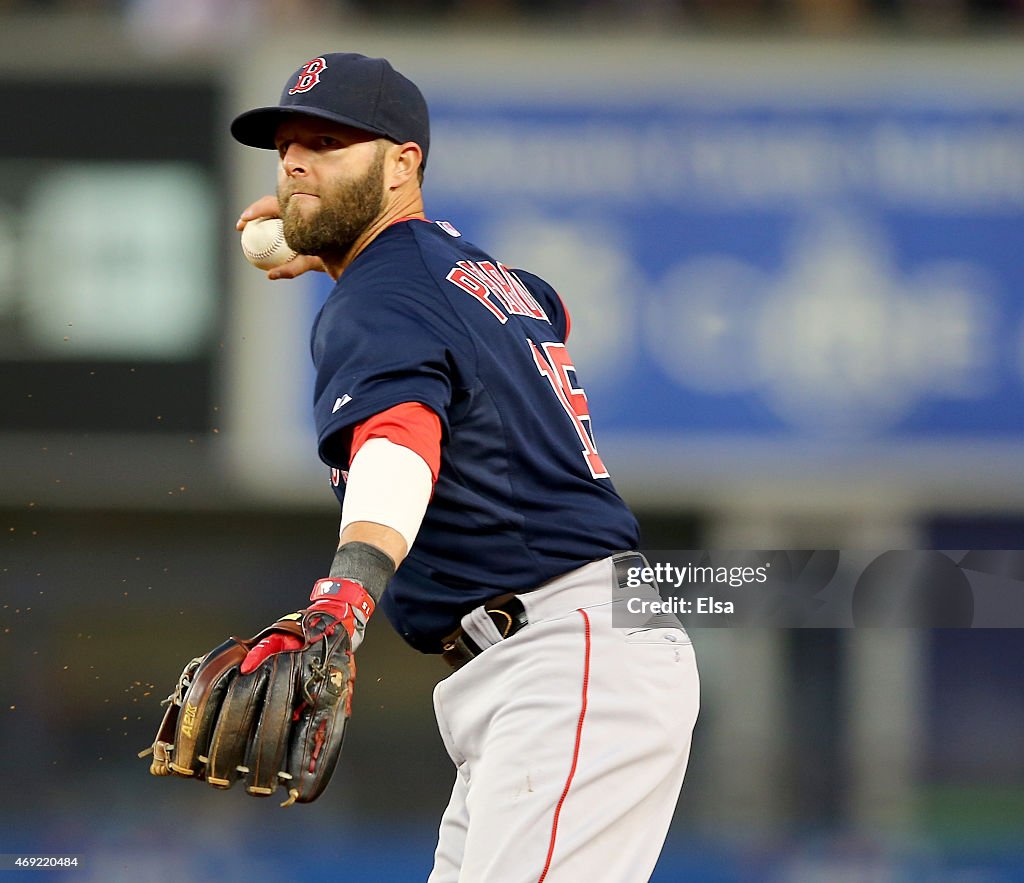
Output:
x=367 y=93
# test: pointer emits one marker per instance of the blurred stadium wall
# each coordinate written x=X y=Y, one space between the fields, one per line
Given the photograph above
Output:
x=793 y=266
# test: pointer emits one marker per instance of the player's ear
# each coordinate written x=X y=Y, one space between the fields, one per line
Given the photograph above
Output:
x=406 y=161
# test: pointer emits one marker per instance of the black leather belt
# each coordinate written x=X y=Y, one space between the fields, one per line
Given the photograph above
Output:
x=624 y=562
x=509 y=616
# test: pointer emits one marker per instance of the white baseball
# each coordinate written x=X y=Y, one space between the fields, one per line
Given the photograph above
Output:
x=264 y=245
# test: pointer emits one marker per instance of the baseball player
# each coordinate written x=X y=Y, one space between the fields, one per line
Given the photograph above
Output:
x=476 y=510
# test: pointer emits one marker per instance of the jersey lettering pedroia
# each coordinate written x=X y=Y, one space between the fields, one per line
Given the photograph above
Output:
x=522 y=495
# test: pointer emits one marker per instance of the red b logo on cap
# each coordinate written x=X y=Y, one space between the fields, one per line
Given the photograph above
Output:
x=309 y=75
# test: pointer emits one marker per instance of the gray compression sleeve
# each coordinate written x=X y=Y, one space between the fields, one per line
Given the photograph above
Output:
x=365 y=564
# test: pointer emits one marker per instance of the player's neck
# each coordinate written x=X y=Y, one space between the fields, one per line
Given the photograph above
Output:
x=401 y=207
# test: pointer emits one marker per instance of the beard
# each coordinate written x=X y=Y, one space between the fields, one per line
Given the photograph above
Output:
x=346 y=209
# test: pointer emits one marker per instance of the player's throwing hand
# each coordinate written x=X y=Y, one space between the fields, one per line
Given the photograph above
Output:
x=268 y=207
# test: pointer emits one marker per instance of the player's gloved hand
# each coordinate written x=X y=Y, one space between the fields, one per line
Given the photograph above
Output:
x=336 y=602
x=268 y=207
x=273 y=708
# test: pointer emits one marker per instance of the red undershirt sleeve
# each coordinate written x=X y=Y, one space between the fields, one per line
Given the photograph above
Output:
x=411 y=425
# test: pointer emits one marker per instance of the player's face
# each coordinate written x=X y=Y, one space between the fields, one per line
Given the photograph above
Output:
x=330 y=184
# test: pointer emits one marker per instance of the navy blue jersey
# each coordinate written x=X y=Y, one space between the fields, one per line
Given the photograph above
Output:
x=522 y=496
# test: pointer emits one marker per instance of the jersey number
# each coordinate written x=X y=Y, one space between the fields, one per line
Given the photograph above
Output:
x=554 y=364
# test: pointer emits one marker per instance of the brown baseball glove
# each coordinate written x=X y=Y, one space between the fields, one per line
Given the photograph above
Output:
x=272 y=709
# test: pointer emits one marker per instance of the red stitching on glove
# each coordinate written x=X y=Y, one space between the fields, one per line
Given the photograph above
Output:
x=318 y=744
